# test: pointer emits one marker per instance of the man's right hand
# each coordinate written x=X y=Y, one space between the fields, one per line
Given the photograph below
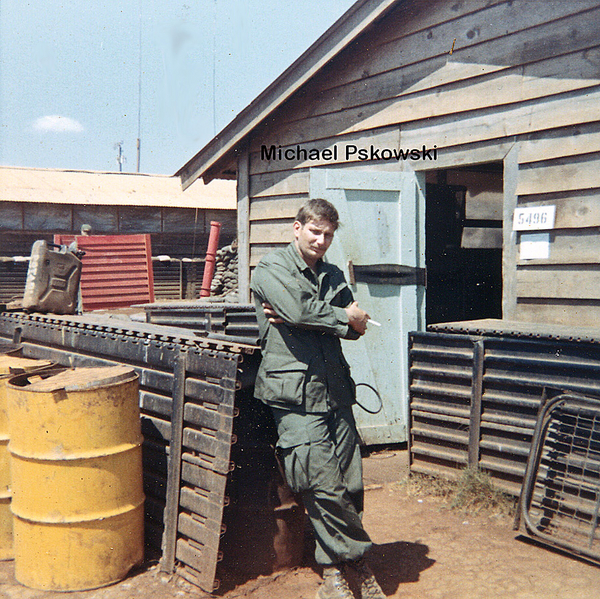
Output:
x=271 y=315
x=357 y=318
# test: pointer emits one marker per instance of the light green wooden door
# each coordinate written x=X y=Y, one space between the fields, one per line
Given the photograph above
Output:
x=381 y=240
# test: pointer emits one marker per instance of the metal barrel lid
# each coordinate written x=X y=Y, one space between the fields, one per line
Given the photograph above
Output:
x=79 y=379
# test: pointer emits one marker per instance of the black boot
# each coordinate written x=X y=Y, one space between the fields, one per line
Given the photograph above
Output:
x=369 y=587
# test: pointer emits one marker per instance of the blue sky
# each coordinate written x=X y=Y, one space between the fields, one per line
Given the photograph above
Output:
x=70 y=74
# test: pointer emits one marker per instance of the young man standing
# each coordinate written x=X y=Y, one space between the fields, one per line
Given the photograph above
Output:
x=304 y=307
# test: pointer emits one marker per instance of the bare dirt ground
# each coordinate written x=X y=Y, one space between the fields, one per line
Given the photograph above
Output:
x=423 y=550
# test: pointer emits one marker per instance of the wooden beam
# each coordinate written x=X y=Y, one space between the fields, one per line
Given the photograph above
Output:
x=482 y=152
x=280 y=183
x=432 y=118
x=575 y=107
x=422 y=67
x=468 y=85
x=554 y=282
x=567 y=312
x=275 y=207
x=560 y=143
x=243 y=216
x=564 y=175
x=476 y=404
x=171 y=514
x=466 y=34
x=509 y=248
x=418 y=17
x=571 y=247
x=574 y=210
x=480 y=237
x=278 y=231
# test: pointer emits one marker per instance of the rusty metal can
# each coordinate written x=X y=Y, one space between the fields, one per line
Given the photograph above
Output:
x=77 y=477
x=9 y=366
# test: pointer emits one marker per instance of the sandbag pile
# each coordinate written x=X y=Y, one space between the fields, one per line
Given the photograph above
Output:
x=225 y=279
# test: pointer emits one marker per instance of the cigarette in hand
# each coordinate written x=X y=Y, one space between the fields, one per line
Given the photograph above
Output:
x=371 y=321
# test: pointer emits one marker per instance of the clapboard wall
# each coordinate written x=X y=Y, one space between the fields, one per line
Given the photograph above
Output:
x=516 y=82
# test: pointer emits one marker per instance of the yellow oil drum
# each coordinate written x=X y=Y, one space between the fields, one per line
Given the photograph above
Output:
x=9 y=366
x=77 y=477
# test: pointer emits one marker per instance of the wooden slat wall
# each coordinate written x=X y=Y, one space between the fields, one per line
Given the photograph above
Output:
x=564 y=287
x=42 y=218
x=476 y=79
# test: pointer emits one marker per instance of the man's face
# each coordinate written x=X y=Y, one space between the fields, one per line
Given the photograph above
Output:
x=313 y=239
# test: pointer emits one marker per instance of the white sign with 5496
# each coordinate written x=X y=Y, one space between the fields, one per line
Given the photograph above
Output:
x=536 y=218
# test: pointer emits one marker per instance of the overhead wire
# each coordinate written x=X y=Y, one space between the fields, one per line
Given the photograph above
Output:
x=139 y=115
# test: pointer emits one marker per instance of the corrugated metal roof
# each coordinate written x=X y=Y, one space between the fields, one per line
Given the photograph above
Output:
x=121 y=189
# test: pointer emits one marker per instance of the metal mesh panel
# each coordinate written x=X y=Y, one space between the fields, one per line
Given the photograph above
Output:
x=561 y=492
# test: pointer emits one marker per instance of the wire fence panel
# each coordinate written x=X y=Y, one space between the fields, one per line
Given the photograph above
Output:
x=560 y=503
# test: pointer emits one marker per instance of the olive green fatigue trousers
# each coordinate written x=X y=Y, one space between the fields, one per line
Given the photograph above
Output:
x=321 y=459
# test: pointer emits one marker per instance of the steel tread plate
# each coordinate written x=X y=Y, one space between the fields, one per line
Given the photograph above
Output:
x=206 y=418
x=505 y=328
x=106 y=326
x=193 y=501
x=204 y=479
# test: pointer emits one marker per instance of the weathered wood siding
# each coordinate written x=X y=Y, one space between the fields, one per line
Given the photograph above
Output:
x=479 y=79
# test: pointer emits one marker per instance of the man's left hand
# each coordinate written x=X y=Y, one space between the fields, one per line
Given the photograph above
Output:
x=271 y=315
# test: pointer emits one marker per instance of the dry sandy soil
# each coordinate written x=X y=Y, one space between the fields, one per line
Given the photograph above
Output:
x=423 y=550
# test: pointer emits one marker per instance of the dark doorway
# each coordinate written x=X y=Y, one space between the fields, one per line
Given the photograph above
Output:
x=464 y=244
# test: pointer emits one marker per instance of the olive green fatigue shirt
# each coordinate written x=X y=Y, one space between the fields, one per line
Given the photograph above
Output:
x=303 y=368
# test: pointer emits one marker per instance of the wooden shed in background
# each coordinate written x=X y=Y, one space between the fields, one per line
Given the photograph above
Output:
x=38 y=203
x=497 y=206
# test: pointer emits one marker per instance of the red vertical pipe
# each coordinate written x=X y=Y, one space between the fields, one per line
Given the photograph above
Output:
x=211 y=253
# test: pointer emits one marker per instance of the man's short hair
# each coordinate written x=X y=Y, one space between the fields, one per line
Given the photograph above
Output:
x=318 y=209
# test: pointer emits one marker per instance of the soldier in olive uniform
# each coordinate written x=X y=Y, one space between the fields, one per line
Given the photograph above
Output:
x=304 y=307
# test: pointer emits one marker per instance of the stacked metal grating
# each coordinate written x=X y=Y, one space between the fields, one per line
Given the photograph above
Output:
x=475 y=394
x=13 y=276
x=560 y=503
x=188 y=387
x=441 y=371
x=225 y=321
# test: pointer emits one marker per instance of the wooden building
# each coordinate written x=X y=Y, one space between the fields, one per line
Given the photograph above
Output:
x=38 y=203
x=460 y=137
